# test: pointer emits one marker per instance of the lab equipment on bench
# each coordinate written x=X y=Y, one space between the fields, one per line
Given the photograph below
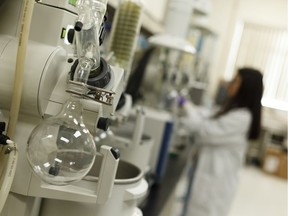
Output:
x=129 y=137
x=61 y=150
x=159 y=125
x=45 y=82
x=129 y=187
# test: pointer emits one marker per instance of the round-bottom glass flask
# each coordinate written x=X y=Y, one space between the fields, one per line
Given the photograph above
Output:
x=61 y=150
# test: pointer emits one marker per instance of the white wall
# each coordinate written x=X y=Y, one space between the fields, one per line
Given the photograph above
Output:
x=156 y=9
x=266 y=12
x=224 y=17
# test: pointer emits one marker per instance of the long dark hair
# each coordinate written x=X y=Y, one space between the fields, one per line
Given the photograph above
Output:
x=248 y=96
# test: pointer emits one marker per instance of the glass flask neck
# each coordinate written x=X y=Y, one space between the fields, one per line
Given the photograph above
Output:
x=72 y=108
x=83 y=70
x=80 y=78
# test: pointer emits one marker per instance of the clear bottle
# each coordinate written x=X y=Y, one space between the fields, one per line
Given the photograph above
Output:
x=61 y=150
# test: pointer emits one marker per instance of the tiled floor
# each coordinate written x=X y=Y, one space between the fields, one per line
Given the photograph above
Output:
x=260 y=194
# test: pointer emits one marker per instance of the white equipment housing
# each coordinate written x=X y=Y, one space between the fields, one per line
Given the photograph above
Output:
x=159 y=125
x=135 y=146
x=45 y=82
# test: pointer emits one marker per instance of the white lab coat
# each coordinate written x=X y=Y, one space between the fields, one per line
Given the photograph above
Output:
x=222 y=151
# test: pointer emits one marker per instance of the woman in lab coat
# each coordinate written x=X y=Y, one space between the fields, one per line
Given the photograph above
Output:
x=223 y=139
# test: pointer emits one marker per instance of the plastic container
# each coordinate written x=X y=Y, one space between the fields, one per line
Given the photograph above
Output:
x=129 y=187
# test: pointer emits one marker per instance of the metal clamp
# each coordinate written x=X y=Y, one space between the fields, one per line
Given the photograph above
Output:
x=9 y=149
x=97 y=94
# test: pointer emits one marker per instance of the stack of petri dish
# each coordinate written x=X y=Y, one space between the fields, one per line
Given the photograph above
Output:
x=126 y=26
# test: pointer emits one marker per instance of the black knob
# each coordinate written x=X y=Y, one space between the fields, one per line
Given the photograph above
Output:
x=70 y=35
x=115 y=152
x=2 y=126
x=121 y=102
x=54 y=170
x=78 y=26
x=103 y=123
x=3 y=139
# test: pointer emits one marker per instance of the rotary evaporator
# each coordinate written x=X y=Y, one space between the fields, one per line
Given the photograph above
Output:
x=56 y=92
